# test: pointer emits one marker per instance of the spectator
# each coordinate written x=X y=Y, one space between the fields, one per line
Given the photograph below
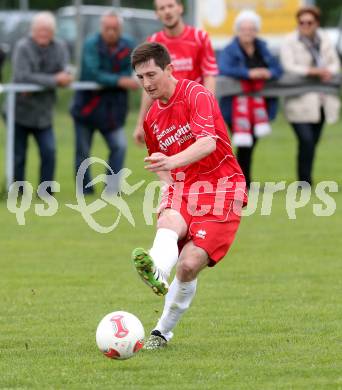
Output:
x=248 y=59
x=191 y=51
x=105 y=60
x=308 y=52
x=38 y=59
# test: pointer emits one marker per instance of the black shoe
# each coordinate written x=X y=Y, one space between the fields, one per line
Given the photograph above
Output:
x=155 y=341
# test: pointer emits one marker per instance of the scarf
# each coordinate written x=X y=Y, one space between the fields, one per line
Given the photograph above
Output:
x=249 y=115
x=313 y=45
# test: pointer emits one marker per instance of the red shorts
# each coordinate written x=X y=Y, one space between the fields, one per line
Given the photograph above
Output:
x=214 y=231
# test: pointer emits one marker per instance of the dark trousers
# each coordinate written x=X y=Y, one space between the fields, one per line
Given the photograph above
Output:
x=47 y=149
x=244 y=157
x=308 y=135
x=117 y=145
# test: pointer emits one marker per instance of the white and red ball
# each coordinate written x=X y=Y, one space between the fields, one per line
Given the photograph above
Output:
x=120 y=335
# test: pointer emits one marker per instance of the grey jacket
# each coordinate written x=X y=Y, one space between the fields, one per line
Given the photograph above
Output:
x=37 y=65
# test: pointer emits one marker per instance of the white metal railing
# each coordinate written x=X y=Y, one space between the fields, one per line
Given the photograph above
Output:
x=11 y=90
x=288 y=85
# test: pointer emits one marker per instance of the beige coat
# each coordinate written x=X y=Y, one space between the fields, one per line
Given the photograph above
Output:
x=295 y=58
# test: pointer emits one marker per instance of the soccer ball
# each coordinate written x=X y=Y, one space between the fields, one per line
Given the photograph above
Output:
x=120 y=335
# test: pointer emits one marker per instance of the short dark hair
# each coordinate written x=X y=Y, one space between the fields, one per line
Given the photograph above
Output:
x=180 y=2
x=151 y=51
x=310 y=9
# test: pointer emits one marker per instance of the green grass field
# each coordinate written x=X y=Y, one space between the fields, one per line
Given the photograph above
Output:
x=268 y=317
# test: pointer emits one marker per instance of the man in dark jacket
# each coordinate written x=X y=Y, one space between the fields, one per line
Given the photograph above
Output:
x=105 y=60
x=38 y=59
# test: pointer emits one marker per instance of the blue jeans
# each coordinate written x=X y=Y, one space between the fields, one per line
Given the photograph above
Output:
x=47 y=149
x=117 y=145
x=308 y=135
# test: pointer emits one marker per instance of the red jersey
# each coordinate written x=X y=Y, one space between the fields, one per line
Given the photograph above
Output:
x=191 y=53
x=193 y=112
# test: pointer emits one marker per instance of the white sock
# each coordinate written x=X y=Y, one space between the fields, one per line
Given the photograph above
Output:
x=177 y=301
x=164 y=251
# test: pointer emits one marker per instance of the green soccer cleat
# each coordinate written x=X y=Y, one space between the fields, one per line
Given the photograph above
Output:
x=155 y=341
x=151 y=275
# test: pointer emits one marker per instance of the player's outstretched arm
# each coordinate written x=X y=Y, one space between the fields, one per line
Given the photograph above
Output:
x=145 y=105
x=195 y=152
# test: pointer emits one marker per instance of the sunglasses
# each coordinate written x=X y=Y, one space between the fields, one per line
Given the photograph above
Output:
x=306 y=22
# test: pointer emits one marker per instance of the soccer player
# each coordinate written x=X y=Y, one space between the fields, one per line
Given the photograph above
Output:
x=204 y=190
x=191 y=52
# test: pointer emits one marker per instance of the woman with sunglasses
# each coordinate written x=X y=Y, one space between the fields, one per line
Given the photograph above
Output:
x=309 y=52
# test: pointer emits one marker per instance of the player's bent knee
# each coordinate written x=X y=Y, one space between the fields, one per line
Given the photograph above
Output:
x=187 y=269
x=171 y=219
